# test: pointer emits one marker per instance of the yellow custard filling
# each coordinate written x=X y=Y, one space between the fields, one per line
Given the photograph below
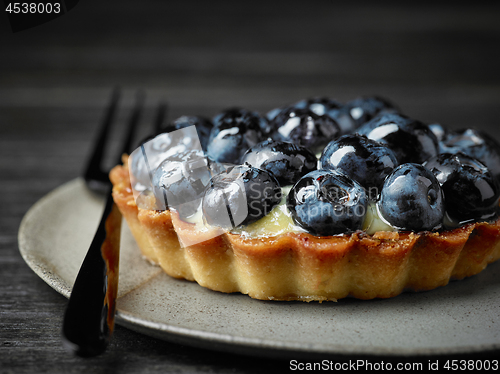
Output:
x=279 y=221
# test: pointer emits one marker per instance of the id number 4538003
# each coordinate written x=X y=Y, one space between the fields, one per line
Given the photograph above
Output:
x=33 y=8
x=471 y=365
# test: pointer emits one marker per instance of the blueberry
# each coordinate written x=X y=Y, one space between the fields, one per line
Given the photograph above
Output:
x=443 y=134
x=324 y=106
x=286 y=161
x=234 y=131
x=363 y=109
x=470 y=190
x=364 y=160
x=180 y=181
x=305 y=128
x=239 y=196
x=478 y=145
x=203 y=127
x=275 y=111
x=319 y=105
x=326 y=202
x=439 y=131
x=412 y=199
x=411 y=140
x=248 y=118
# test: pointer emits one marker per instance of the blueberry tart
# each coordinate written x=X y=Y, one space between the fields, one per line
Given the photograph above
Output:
x=316 y=201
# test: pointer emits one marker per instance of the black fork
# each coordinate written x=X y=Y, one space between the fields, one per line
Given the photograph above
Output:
x=89 y=318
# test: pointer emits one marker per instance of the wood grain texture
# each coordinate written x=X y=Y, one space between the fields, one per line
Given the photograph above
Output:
x=438 y=63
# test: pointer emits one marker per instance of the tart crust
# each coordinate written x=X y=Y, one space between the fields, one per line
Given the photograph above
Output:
x=301 y=266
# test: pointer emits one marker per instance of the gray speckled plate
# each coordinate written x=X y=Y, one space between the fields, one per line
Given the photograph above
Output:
x=462 y=317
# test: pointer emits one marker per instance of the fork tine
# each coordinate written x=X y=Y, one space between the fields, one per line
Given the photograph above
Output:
x=93 y=170
x=132 y=124
x=161 y=114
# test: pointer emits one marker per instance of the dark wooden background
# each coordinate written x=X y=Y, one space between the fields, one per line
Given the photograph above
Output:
x=438 y=62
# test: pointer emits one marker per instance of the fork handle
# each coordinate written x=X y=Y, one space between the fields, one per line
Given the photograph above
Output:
x=89 y=318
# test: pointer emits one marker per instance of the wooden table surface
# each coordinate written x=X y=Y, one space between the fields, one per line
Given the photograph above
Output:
x=438 y=63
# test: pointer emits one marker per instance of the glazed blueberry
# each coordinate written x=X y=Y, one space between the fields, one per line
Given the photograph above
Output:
x=363 y=109
x=274 y=112
x=439 y=130
x=239 y=196
x=412 y=199
x=286 y=161
x=246 y=117
x=478 y=145
x=326 y=202
x=443 y=134
x=180 y=181
x=234 y=131
x=470 y=190
x=411 y=140
x=364 y=160
x=305 y=128
x=331 y=108
x=203 y=127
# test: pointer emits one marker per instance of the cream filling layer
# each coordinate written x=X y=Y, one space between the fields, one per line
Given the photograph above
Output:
x=279 y=221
